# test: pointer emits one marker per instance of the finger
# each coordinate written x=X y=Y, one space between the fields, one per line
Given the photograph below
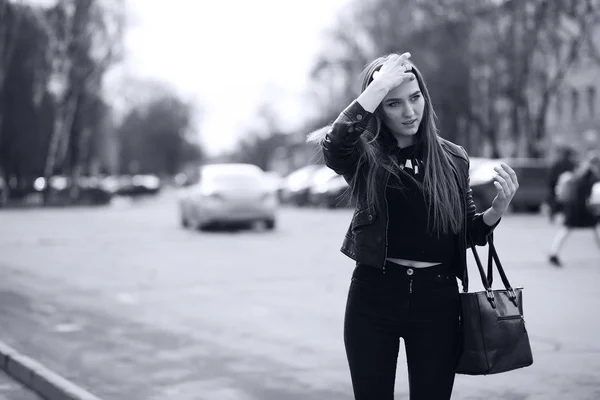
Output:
x=392 y=58
x=500 y=190
x=506 y=176
x=503 y=183
x=396 y=60
x=405 y=56
x=512 y=173
x=409 y=76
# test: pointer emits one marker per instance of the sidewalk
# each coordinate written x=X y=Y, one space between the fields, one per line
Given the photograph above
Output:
x=12 y=390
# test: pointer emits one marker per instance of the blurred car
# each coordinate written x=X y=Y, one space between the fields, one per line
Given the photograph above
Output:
x=85 y=190
x=532 y=175
x=93 y=191
x=275 y=183
x=333 y=193
x=297 y=184
x=228 y=194
x=318 y=183
x=138 y=185
x=3 y=192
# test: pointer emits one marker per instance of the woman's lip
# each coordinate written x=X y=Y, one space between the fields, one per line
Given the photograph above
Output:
x=409 y=122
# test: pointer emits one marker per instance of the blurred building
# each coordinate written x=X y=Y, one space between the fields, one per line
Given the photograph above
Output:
x=574 y=115
x=572 y=111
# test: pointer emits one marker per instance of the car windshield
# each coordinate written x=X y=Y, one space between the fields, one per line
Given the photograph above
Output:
x=232 y=181
x=302 y=175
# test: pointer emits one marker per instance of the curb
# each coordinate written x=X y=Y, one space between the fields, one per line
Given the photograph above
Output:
x=39 y=378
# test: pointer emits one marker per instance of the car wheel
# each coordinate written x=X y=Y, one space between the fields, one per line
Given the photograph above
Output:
x=183 y=221
x=204 y=227
x=270 y=224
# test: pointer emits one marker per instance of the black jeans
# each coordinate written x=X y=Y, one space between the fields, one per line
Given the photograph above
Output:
x=421 y=306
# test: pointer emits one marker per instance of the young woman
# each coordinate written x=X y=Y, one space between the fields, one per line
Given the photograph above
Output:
x=412 y=225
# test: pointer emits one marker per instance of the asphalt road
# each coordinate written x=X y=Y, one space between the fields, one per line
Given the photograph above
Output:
x=128 y=305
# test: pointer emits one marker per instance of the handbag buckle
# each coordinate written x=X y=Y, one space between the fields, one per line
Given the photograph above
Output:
x=490 y=296
x=512 y=296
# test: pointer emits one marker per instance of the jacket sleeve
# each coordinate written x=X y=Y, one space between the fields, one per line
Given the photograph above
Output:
x=477 y=230
x=341 y=147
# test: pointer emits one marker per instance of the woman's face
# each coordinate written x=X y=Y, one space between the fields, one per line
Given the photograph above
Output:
x=402 y=109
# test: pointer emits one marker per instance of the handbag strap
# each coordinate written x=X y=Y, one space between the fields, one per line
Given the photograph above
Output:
x=494 y=254
x=488 y=280
x=480 y=268
x=490 y=269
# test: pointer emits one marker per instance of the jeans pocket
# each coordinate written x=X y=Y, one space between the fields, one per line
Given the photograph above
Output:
x=361 y=284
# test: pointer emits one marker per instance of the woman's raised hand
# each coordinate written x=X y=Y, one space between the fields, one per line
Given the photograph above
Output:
x=394 y=71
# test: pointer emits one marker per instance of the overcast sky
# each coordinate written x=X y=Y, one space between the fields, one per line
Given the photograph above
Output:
x=229 y=56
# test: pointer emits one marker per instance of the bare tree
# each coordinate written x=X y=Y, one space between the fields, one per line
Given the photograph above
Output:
x=559 y=48
x=521 y=53
x=10 y=18
x=86 y=37
x=495 y=66
x=364 y=30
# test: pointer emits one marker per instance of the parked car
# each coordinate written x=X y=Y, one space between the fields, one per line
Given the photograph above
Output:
x=333 y=194
x=297 y=184
x=318 y=184
x=531 y=173
x=329 y=190
x=275 y=183
x=3 y=192
x=228 y=194
x=63 y=190
x=138 y=185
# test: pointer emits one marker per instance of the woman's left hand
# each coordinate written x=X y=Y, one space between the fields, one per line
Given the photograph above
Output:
x=506 y=184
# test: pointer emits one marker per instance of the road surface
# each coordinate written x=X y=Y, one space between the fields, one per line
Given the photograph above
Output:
x=128 y=305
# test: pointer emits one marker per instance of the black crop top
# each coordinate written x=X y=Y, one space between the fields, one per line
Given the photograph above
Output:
x=408 y=234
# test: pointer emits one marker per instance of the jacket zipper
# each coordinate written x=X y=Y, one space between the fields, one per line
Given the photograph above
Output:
x=387 y=220
x=464 y=229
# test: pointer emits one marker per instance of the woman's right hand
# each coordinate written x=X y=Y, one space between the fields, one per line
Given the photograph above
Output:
x=394 y=71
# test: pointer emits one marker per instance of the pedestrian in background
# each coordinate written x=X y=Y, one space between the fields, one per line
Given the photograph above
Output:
x=564 y=162
x=578 y=214
x=414 y=220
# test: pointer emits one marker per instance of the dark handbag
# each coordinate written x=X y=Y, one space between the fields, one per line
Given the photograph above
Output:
x=494 y=335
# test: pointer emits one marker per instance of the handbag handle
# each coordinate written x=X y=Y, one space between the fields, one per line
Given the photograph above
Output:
x=493 y=257
x=488 y=280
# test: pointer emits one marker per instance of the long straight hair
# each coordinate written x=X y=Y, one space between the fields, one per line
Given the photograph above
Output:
x=440 y=187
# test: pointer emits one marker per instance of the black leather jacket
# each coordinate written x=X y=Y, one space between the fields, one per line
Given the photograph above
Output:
x=366 y=238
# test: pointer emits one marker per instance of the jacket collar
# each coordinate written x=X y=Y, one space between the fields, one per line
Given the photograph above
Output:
x=389 y=143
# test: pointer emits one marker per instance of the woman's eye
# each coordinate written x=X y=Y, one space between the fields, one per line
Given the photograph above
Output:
x=415 y=98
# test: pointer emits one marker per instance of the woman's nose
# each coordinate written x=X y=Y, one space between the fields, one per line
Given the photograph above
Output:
x=408 y=111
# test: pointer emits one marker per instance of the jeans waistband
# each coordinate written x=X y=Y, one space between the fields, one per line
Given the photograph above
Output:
x=397 y=271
